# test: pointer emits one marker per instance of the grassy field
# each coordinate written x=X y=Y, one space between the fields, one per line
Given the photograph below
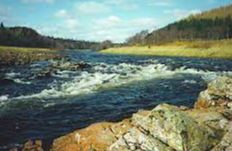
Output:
x=22 y=49
x=204 y=49
x=20 y=55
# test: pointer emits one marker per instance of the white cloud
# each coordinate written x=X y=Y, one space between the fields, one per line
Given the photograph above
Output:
x=62 y=13
x=117 y=29
x=112 y=28
x=92 y=8
x=38 y=1
x=71 y=24
x=180 y=13
x=109 y=22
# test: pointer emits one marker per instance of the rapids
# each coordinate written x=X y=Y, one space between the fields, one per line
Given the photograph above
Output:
x=50 y=98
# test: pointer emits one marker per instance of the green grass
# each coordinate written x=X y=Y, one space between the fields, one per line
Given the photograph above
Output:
x=202 y=49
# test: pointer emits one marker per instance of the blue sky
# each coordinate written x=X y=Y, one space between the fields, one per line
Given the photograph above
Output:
x=98 y=20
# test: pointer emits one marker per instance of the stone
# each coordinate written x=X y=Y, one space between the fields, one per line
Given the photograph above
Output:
x=218 y=93
x=175 y=128
x=136 y=139
x=31 y=145
x=226 y=142
x=95 y=137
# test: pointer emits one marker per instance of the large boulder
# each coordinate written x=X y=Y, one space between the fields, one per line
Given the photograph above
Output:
x=226 y=142
x=218 y=93
x=95 y=137
x=137 y=139
x=167 y=128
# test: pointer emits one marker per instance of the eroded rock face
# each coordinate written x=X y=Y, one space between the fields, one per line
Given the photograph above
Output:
x=168 y=128
x=137 y=139
x=95 y=137
x=218 y=93
x=165 y=128
x=226 y=142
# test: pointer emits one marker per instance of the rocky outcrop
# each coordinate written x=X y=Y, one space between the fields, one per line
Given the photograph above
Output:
x=171 y=128
x=206 y=127
x=95 y=137
x=218 y=93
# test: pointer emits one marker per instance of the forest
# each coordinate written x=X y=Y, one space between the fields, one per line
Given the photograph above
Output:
x=28 y=37
x=211 y=25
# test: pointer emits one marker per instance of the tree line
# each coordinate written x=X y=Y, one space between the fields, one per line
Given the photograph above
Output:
x=214 y=24
x=28 y=37
x=187 y=29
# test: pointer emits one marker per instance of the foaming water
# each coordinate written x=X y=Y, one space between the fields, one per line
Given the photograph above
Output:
x=48 y=99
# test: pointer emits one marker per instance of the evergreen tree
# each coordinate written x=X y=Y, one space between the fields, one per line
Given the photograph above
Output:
x=2 y=25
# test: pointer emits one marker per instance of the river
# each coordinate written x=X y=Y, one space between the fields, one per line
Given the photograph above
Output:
x=47 y=99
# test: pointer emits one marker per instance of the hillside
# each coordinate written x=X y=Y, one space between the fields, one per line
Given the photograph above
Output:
x=28 y=37
x=221 y=12
x=215 y=24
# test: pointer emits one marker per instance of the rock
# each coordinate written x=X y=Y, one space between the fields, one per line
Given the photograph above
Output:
x=171 y=126
x=218 y=93
x=211 y=118
x=95 y=137
x=33 y=146
x=137 y=139
x=71 y=66
x=226 y=142
x=229 y=105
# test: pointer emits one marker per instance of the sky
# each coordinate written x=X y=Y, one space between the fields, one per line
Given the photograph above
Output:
x=99 y=20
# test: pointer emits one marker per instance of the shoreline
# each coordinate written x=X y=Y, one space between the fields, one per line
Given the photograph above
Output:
x=197 y=49
x=21 y=55
x=206 y=126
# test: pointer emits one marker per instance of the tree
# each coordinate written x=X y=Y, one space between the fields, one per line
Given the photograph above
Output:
x=2 y=25
x=106 y=44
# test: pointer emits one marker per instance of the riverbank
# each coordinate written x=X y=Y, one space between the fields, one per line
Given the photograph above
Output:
x=201 y=49
x=21 y=55
x=207 y=126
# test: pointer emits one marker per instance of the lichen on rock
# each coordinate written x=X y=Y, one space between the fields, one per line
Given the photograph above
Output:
x=218 y=93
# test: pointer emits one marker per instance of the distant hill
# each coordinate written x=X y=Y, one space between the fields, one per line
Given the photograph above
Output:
x=210 y=25
x=28 y=37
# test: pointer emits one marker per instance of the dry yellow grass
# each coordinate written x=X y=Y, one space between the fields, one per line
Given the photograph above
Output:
x=205 y=49
x=22 y=49
x=20 y=55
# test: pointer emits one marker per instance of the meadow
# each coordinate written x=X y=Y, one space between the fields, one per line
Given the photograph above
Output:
x=201 y=49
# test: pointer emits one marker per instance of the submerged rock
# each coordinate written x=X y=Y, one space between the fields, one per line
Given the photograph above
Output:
x=71 y=66
x=165 y=128
x=33 y=146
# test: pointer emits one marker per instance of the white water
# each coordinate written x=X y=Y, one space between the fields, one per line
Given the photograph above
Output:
x=14 y=77
x=105 y=76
